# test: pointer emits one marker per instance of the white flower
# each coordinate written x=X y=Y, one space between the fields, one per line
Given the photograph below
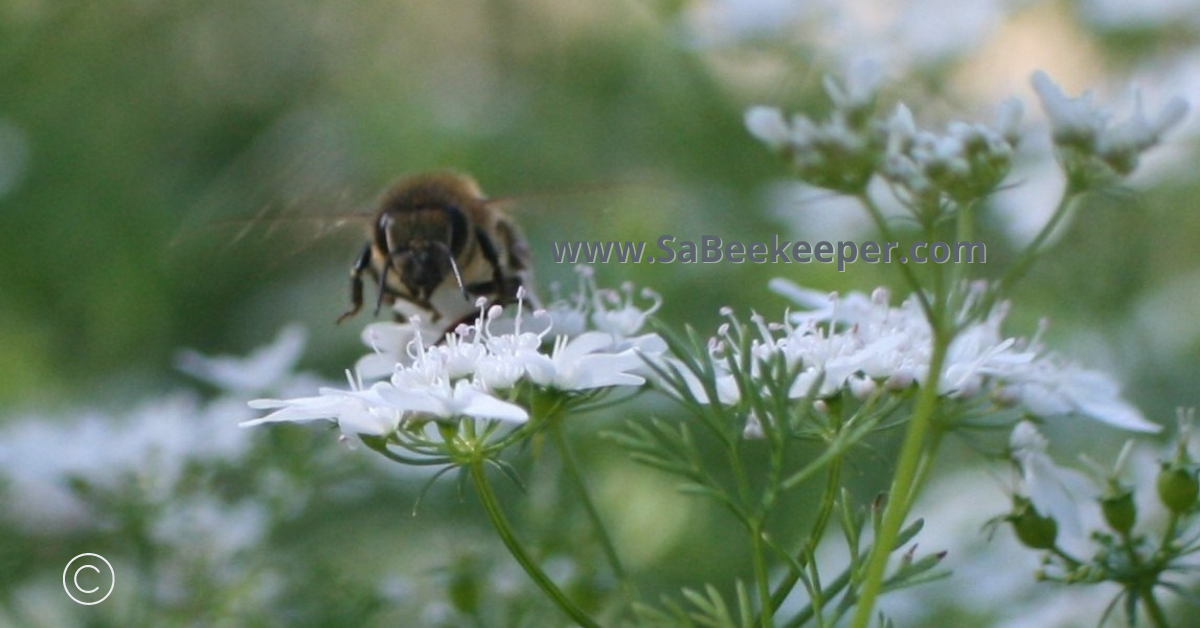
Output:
x=583 y=363
x=860 y=88
x=1073 y=120
x=856 y=342
x=444 y=400
x=389 y=342
x=727 y=390
x=970 y=158
x=353 y=415
x=1054 y=491
x=769 y=126
x=1079 y=123
x=1124 y=142
x=150 y=447
x=1008 y=120
x=1047 y=387
x=753 y=429
x=450 y=375
x=840 y=153
x=623 y=320
x=262 y=370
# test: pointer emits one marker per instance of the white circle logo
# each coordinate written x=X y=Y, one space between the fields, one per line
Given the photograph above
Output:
x=87 y=578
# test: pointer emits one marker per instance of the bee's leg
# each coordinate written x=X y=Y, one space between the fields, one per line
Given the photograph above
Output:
x=356 y=283
x=387 y=265
x=493 y=257
x=519 y=262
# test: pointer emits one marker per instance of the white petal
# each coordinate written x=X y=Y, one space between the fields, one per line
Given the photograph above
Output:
x=473 y=402
x=768 y=125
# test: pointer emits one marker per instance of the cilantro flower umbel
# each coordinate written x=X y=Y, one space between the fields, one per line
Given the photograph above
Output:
x=476 y=371
x=861 y=344
x=1083 y=128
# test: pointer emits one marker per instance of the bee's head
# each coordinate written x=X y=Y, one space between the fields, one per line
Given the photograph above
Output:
x=422 y=267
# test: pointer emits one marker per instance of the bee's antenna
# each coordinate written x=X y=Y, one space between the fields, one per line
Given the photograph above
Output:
x=454 y=267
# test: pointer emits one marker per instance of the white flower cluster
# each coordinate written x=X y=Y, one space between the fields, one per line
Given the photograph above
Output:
x=472 y=372
x=966 y=162
x=845 y=152
x=149 y=447
x=1079 y=125
x=860 y=343
x=840 y=153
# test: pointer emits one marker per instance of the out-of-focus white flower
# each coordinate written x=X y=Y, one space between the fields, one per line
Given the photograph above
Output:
x=1054 y=491
x=1008 y=120
x=620 y=317
x=753 y=429
x=1079 y=124
x=1074 y=121
x=966 y=161
x=151 y=446
x=768 y=125
x=858 y=91
x=1124 y=143
x=263 y=370
x=840 y=153
x=1048 y=386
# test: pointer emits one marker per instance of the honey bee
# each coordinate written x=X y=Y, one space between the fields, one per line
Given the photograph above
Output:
x=438 y=243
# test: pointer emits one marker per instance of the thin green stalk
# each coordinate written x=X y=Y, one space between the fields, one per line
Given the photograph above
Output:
x=1153 y=609
x=832 y=486
x=1169 y=535
x=760 y=575
x=1144 y=591
x=910 y=276
x=810 y=611
x=509 y=537
x=593 y=513
x=1030 y=254
x=964 y=231
x=904 y=485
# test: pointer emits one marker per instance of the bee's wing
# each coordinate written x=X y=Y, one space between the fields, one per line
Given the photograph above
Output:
x=292 y=189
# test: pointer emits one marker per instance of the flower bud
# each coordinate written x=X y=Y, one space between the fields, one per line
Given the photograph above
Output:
x=1034 y=530
x=1120 y=513
x=463 y=592
x=1177 y=488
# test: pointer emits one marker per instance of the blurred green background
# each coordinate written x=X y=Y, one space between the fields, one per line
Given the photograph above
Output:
x=138 y=138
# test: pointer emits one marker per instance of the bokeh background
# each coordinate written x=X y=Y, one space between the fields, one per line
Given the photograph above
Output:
x=163 y=164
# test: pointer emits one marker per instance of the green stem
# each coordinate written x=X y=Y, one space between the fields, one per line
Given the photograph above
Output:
x=1153 y=609
x=1072 y=562
x=606 y=543
x=1169 y=535
x=1031 y=252
x=904 y=486
x=760 y=576
x=1144 y=591
x=910 y=276
x=832 y=486
x=964 y=232
x=500 y=523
